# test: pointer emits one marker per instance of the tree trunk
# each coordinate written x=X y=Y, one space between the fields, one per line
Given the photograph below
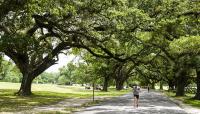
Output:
x=171 y=85
x=119 y=84
x=105 y=85
x=127 y=84
x=25 y=88
x=180 y=87
x=197 y=96
x=181 y=82
x=161 y=85
x=153 y=85
x=119 y=79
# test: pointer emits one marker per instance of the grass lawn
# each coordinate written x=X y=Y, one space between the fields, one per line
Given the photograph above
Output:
x=44 y=94
x=187 y=99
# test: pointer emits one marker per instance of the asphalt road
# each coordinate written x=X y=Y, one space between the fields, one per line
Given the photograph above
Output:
x=150 y=103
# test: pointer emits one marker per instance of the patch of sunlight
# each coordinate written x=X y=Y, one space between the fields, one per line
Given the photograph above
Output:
x=8 y=85
x=56 y=89
x=164 y=87
x=129 y=108
x=11 y=97
x=61 y=89
x=24 y=106
x=46 y=87
x=162 y=107
x=32 y=103
x=20 y=99
x=52 y=88
x=50 y=98
x=193 y=110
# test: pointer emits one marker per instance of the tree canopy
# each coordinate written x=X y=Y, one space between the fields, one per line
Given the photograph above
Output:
x=156 y=39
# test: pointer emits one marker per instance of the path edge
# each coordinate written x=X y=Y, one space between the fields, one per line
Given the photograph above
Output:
x=187 y=108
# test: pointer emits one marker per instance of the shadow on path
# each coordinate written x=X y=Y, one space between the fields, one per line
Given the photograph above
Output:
x=150 y=103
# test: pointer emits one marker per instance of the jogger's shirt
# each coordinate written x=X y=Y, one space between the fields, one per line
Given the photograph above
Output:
x=136 y=90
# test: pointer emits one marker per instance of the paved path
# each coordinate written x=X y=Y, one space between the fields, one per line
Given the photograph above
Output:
x=150 y=103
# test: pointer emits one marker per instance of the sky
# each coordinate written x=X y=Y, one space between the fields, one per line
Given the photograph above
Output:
x=63 y=60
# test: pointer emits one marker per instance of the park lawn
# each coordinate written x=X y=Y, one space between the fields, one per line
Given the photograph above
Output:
x=187 y=99
x=44 y=94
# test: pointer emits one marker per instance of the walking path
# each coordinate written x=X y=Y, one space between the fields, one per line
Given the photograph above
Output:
x=150 y=103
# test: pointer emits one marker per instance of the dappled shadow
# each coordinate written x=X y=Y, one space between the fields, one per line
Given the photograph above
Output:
x=150 y=103
x=14 y=103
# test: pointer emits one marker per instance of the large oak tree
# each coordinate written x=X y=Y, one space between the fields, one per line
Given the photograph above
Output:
x=34 y=36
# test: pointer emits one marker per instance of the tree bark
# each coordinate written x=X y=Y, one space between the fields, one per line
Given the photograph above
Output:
x=153 y=85
x=25 y=88
x=127 y=84
x=197 y=96
x=181 y=82
x=119 y=78
x=119 y=84
x=105 y=85
x=161 y=85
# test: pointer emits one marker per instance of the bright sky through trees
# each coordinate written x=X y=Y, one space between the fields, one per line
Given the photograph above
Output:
x=63 y=60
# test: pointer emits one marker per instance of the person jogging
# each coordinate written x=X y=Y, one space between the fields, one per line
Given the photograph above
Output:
x=136 y=91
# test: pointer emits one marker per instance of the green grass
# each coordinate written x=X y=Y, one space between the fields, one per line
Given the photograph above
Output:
x=192 y=102
x=44 y=94
x=187 y=99
x=54 y=112
x=62 y=89
x=10 y=102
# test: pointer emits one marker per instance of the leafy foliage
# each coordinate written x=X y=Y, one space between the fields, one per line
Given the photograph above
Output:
x=156 y=38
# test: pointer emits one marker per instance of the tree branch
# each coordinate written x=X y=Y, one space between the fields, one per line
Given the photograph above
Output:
x=48 y=60
x=11 y=5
